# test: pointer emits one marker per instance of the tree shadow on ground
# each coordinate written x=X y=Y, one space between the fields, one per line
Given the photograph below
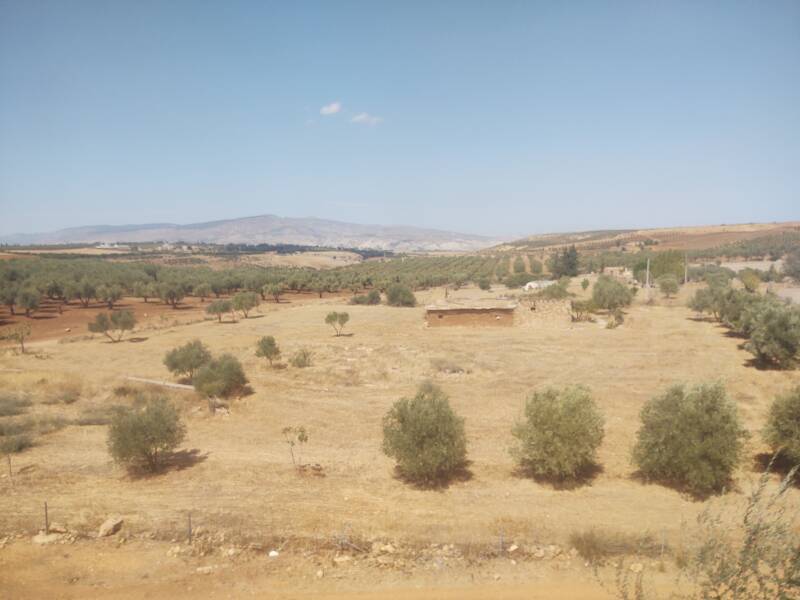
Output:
x=775 y=463
x=459 y=475
x=680 y=487
x=760 y=365
x=344 y=335
x=584 y=477
x=40 y=317
x=137 y=340
x=175 y=461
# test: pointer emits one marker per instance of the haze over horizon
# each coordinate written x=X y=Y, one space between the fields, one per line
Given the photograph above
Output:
x=507 y=120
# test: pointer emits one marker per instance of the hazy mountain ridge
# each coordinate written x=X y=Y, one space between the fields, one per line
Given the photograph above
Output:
x=268 y=229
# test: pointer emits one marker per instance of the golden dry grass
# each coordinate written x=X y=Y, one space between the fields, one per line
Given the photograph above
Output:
x=241 y=477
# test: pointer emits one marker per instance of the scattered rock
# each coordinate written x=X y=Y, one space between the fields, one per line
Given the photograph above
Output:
x=320 y=574
x=273 y=554
x=57 y=528
x=637 y=567
x=512 y=548
x=46 y=538
x=342 y=559
x=110 y=526
x=205 y=570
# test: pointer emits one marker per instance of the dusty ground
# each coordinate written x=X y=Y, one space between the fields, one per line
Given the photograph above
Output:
x=236 y=476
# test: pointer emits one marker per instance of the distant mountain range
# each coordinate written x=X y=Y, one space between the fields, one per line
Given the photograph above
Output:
x=268 y=229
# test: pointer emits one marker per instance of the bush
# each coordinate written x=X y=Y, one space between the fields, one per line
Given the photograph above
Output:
x=596 y=546
x=15 y=443
x=691 y=438
x=13 y=404
x=187 y=359
x=302 y=358
x=668 y=285
x=372 y=298
x=584 y=284
x=267 y=348
x=560 y=433
x=484 y=284
x=557 y=291
x=610 y=294
x=774 y=331
x=425 y=436
x=141 y=436
x=117 y=324
x=400 y=295
x=221 y=377
x=782 y=432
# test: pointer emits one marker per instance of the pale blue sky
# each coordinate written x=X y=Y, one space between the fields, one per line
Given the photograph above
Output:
x=485 y=117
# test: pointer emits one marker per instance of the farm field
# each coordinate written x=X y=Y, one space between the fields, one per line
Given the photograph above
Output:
x=235 y=476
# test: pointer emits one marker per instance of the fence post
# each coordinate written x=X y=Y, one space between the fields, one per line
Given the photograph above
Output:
x=46 y=520
x=189 y=528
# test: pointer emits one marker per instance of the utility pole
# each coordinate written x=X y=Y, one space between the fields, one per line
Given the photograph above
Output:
x=647 y=281
x=685 y=267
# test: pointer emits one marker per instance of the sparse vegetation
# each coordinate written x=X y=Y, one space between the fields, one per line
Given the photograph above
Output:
x=302 y=358
x=610 y=294
x=371 y=298
x=690 y=437
x=559 y=434
x=13 y=404
x=425 y=436
x=295 y=436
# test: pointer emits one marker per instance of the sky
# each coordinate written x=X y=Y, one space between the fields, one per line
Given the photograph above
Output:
x=500 y=118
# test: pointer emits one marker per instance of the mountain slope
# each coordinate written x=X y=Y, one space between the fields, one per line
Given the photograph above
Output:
x=268 y=229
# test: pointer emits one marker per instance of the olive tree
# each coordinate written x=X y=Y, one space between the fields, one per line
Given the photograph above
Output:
x=245 y=302
x=782 y=431
x=219 y=308
x=267 y=347
x=610 y=294
x=425 y=436
x=337 y=320
x=690 y=437
x=143 y=435
x=16 y=333
x=668 y=285
x=187 y=359
x=28 y=300
x=560 y=433
x=116 y=324
x=221 y=377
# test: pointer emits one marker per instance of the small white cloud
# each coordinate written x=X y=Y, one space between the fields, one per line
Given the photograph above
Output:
x=330 y=109
x=366 y=119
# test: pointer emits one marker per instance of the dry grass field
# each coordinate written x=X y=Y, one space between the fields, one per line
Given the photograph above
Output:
x=235 y=475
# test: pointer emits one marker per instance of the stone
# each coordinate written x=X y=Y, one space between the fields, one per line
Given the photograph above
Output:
x=57 y=528
x=512 y=548
x=273 y=554
x=205 y=570
x=342 y=559
x=637 y=567
x=110 y=526
x=320 y=574
x=43 y=538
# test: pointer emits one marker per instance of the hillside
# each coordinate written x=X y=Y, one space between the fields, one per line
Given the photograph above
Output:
x=269 y=229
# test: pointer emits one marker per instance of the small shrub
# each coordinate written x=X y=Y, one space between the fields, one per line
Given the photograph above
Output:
x=15 y=443
x=12 y=427
x=295 y=436
x=584 y=284
x=221 y=377
x=425 y=436
x=268 y=348
x=187 y=359
x=484 y=284
x=12 y=404
x=372 y=298
x=596 y=546
x=782 y=432
x=302 y=358
x=97 y=415
x=141 y=436
x=446 y=365
x=557 y=291
x=581 y=310
x=67 y=392
x=121 y=391
x=691 y=438
x=400 y=295
x=337 y=320
x=560 y=433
